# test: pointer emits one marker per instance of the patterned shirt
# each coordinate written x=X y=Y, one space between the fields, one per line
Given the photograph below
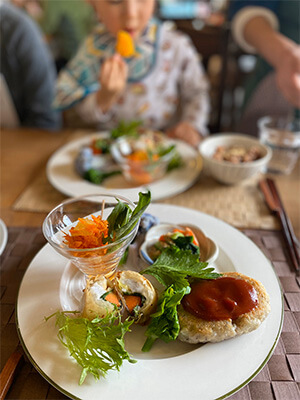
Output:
x=174 y=89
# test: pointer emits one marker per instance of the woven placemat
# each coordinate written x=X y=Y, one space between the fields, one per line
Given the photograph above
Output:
x=278 y=380
x=242 y=206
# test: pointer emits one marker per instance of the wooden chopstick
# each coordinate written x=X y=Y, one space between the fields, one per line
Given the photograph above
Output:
x=288 y=223
x=275 y=204
x=9 y=370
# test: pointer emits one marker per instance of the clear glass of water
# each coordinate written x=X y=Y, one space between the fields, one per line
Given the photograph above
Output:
x=283 y=136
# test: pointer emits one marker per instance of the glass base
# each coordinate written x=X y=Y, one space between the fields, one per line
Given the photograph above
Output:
x=72 y=285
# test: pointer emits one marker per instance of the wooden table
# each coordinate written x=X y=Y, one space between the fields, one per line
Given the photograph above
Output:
x=23 y=154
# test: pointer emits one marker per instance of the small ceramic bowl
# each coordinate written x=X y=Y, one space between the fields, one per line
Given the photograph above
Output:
x=144 y=159
x=209 y=250
x=225 y=171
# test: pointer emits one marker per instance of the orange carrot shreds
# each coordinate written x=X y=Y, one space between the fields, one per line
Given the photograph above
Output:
x=125 y=45
x=87 y=234
x=138 y=155
x=163 y=238
x=132 y=301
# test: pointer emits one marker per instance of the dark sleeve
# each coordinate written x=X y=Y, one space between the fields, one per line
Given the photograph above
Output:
x=38 y=77
x=237 y=5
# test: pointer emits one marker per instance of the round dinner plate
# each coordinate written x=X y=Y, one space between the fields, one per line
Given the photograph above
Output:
x=176 y=370
x=3 y=236
x=62 y=175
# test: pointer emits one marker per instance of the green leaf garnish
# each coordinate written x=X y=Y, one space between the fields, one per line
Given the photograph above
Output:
x=186 y=243
x=97 y=345
x=103 y=144
x=162 y=151
x=173 y=266
x=164 y=322
x=119 y=217
x=128 y=226
x=126 y=128
x=96 y=176
x=175 y=162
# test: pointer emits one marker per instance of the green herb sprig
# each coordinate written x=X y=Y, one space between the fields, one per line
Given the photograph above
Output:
x=97 y=345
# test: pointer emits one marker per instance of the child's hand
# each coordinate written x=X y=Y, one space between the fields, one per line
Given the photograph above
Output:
x=113 y=78
x=186 y=132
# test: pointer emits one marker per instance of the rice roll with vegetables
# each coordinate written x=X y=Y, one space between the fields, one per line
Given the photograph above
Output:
x=129 y=292
x=137 y=293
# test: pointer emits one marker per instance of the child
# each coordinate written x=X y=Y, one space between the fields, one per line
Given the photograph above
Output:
x=163 y=85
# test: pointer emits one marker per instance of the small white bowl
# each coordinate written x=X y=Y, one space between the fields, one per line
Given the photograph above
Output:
x=209 y=250
x=225 y=171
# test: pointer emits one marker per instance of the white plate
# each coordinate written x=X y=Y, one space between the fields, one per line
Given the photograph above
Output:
x=62 y=175
x=3 y=236
x=175 y=370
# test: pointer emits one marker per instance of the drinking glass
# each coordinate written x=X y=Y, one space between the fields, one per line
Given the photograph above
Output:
x=282 y=135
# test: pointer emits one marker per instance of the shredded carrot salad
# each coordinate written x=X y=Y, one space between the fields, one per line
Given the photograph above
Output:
x=87 y=234
x=142 y=155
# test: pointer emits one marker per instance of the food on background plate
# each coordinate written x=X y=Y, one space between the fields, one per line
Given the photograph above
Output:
x=229 y=306
x=237 y=154
x=128 y=293
x=95 y=163
x=144 y=159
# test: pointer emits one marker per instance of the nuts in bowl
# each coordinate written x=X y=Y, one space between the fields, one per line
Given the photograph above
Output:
x=232 y=158
x=144 y=159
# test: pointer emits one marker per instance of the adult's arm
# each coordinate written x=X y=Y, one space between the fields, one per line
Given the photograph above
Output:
x=256 y=31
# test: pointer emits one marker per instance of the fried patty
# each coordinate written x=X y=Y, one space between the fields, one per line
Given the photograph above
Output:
x=197 y=330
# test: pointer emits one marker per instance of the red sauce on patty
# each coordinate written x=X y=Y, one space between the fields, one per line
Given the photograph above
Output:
x=220 y=299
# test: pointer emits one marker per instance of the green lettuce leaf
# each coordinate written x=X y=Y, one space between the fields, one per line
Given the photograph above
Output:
x=164 y=322
x=126 y=129
x=97 y=345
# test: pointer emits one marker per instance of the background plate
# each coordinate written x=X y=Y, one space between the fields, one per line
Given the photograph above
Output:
x=3 y=236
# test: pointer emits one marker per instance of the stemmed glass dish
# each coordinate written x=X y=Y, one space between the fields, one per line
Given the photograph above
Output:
x=143 y=159
x=92 y=261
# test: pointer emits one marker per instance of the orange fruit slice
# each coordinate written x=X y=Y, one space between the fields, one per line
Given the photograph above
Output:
x=125 y=45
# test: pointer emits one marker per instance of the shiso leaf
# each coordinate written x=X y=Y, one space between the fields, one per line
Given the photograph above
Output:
x=174 y=266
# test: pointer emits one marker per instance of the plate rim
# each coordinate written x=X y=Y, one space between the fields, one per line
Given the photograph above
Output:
x=3 y=229
x=223 y=396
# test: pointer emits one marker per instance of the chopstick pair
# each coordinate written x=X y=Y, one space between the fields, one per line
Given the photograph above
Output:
x=275 y=204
